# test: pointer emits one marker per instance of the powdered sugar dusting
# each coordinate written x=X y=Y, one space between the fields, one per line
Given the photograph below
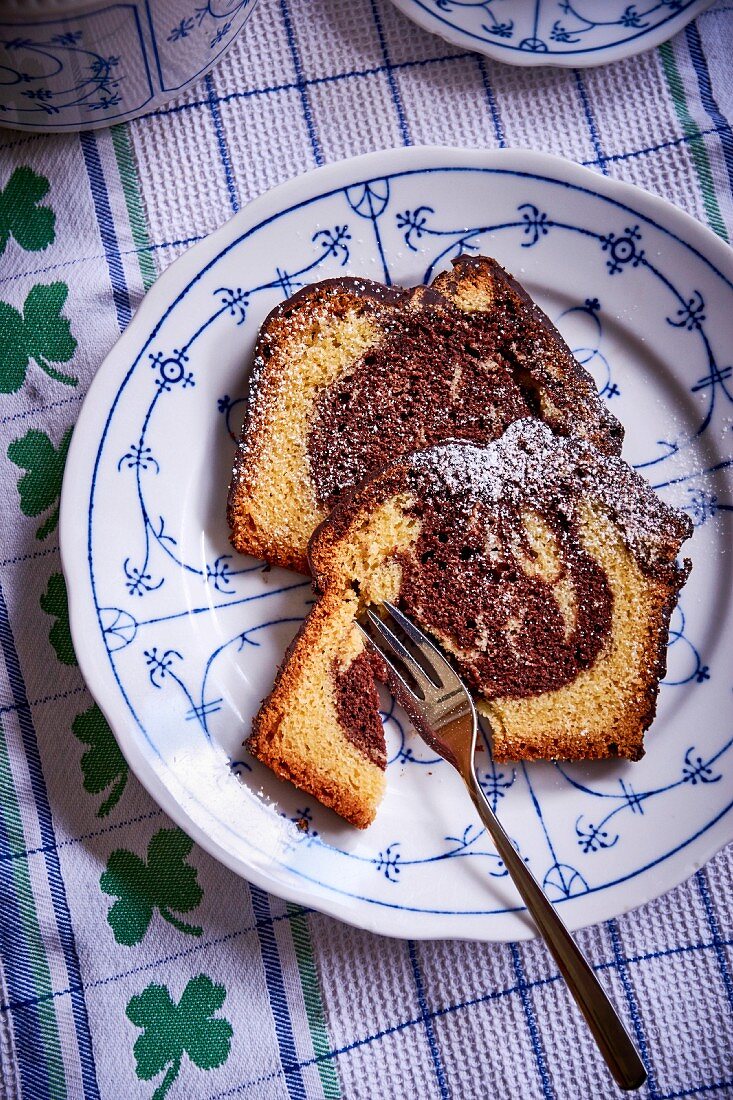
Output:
x=529 y=465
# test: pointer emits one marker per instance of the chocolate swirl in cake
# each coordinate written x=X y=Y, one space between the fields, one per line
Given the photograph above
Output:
x=450 y=365
x=436 y=374
x=501 y=569
x=520 y=625
x=357 y=705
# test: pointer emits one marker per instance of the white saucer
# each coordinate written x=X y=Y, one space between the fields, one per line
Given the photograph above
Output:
x=569 y=33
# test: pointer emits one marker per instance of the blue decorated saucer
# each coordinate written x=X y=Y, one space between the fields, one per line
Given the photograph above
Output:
x=179 y=638
x=577 y=33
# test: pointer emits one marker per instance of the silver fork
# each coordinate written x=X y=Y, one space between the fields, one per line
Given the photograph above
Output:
x=445 y=717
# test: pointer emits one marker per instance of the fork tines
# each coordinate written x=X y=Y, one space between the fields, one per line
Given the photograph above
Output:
x=414 y=661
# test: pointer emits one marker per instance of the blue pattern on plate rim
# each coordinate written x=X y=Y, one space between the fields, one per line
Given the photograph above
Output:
x=73 y=77
x=214 y=23
x=552 y=28
x=146 y=568
x=62 y=81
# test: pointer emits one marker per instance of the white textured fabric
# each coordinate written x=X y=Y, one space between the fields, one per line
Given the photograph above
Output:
x=314 y=1008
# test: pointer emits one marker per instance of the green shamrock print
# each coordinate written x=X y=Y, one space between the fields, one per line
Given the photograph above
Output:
x=102 y=765
x=39 y=333
x=21 y=216
x=171 y=1030
x=166 y=882
x=55 y=602
x=40 y=485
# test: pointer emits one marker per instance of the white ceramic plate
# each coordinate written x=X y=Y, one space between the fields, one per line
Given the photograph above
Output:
x=179 y=639
x=577 y=33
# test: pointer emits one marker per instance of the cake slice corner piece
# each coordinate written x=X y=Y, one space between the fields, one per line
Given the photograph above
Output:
x=320 y=727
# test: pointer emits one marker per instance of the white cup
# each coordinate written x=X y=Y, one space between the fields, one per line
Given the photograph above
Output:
x=82 y=64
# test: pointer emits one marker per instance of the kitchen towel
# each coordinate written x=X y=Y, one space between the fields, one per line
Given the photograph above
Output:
x=112 y=985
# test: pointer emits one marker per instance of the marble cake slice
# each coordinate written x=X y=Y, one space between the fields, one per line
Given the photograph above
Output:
x=547 y=571
x=349 y=374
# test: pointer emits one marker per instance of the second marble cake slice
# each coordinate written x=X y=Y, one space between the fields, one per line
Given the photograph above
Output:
x=349 y=375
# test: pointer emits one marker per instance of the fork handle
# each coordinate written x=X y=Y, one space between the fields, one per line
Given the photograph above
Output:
x=610 y=1035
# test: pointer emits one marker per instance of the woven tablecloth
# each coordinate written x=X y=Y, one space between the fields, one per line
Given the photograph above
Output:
x=215 y=989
